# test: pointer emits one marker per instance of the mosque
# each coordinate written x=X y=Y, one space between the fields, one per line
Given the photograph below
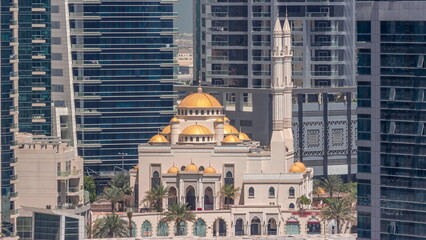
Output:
x=200 y=152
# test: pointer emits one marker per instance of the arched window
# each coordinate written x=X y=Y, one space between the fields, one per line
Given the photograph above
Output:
x=251 y=192
x=197 y=139
x=291 y=206
x=255 y=226
x=172 y=198
x=208 y=112
x=196 y=112
x=202 y=112
x=180 y=229
x=146 y=229
x=272 y=192
x=291 y=192
x=182 y=168
x=190 y=112
x=162 y=229
x=201 y=168
x=219 y=227
x=217 y=111
x=186 y=138
x=314 y=226
x=200 y=228
x=292 y=227
x=204 y=139
x=272 y=227
x=229 y=179
x=239 y=227
x=155 y=180
x=191 y=139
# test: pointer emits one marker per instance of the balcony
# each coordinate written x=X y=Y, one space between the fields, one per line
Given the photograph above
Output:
x=325 y=73
x=81 y=79
x=13 y=178
x=13 y=161
x=88 y=63
x=38 y=71
x=38 y=118
x=317 y=14
x=325 y=59
x=87 y=95
x=86 y=111
x=217 y=58
x=325 y=29
x=14 y=195
x=89 y=143
x=325 y=44
x=38 y=39
x=38 y=56
x=14 y=128
x=63 y=175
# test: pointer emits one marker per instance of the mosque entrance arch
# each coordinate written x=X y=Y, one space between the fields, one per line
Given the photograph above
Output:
x=239 y=227
x=255 y=226
x=219 y=228
x=190 y=198
x=272 y=227
x=208 y=199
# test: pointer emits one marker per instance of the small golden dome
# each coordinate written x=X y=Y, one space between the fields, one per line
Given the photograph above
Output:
x=242 y=136
x=158 y=139
x=219 y=120
x=229 y=129
x=191 y=168
x=173 y=170
x=174 y=120
x=196 y=130
x=231 y=139
x=166 y=130
x=298 y=167
x=226 y=119
x=210 y=170
x=136 y=167
x=200 y=100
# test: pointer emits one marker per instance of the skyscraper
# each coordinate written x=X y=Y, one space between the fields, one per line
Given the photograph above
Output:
x=391 y=37
x=123 y=72
x=232 y=45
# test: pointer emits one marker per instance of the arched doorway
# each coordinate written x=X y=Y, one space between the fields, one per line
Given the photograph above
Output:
x=190 y=198
x=219 y=228
x=146 y=229
x=272 y=226
x=239 y=227
x=255 y=228
x=200 y=228
x=172 y=196
x=208 y=199
x=162 y=229
x=180 y=229
x=292 y=227
x=314 y=226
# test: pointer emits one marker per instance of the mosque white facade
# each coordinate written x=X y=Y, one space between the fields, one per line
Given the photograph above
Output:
x=200 y=152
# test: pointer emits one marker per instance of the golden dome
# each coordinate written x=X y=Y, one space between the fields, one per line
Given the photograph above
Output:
x=210 y=170
x=219 y=120
x=191 y=168
x=158 y=139
x=196 y=130
x=231 y=139
x=136 y=167
x=173 y=170
x=174 y=120
x=298 y=167
x=226 y=119
x=200 y=100
x=242 y=136
x=229 y=129
x=166 y=130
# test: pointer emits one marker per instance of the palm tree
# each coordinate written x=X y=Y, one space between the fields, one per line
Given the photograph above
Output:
x=303 y=200
x=178 y=213
x=129 y=216
x=90 y=230
x=331 y=184
x=155 y=197
x=229 y=192
x=338 y=209
x=122 y=182
x=113 y=195
x=111 y=226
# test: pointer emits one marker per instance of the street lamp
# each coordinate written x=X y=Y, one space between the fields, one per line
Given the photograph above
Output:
x=122 y=159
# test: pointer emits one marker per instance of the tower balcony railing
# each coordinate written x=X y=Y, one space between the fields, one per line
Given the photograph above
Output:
x=63 y=174
x=218 y=72
x=261 y=58
x=218 y=29
x=325 y=58
x=325 y=29
x=13 y=40
x=261 y=43
x=261 y=14
x=325 y=44
x=324 y=73
x=13 y=177
x=38 y=116
x=217 y=58
x=261 y=29
x=317 y=14
x=218 y=43
x=218 y=14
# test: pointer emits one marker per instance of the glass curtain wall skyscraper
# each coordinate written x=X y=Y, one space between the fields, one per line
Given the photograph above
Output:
x=391 y=45
x=123 y=72
x=232 y=45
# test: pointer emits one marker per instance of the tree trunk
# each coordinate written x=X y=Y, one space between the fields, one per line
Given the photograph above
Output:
x=227 y=203
x=113 y=207
x=338 y=226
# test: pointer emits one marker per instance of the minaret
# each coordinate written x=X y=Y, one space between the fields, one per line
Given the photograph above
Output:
x=282 y=150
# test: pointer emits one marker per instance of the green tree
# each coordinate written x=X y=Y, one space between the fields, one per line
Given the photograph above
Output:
x=331 y=184
x=155 y=197
x=111 y=226
x=122 y=182
x=89 y=185
x=178 y=213
x=338 y=209
x=229 y=192
x=302 y=201
x=113 y=195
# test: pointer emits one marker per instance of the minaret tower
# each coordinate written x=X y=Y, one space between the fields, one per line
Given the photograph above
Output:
x=282 y=150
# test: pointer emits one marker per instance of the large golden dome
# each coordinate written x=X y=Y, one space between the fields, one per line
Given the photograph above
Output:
x=231 y=139
x=243 y=137
x=200 y=100
x=297 y=167
x=210 y=170
x=173 y=170
x=191 y=168
x=196 y=130
x=229 y=129
x=158 y=139
x=166 y=130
